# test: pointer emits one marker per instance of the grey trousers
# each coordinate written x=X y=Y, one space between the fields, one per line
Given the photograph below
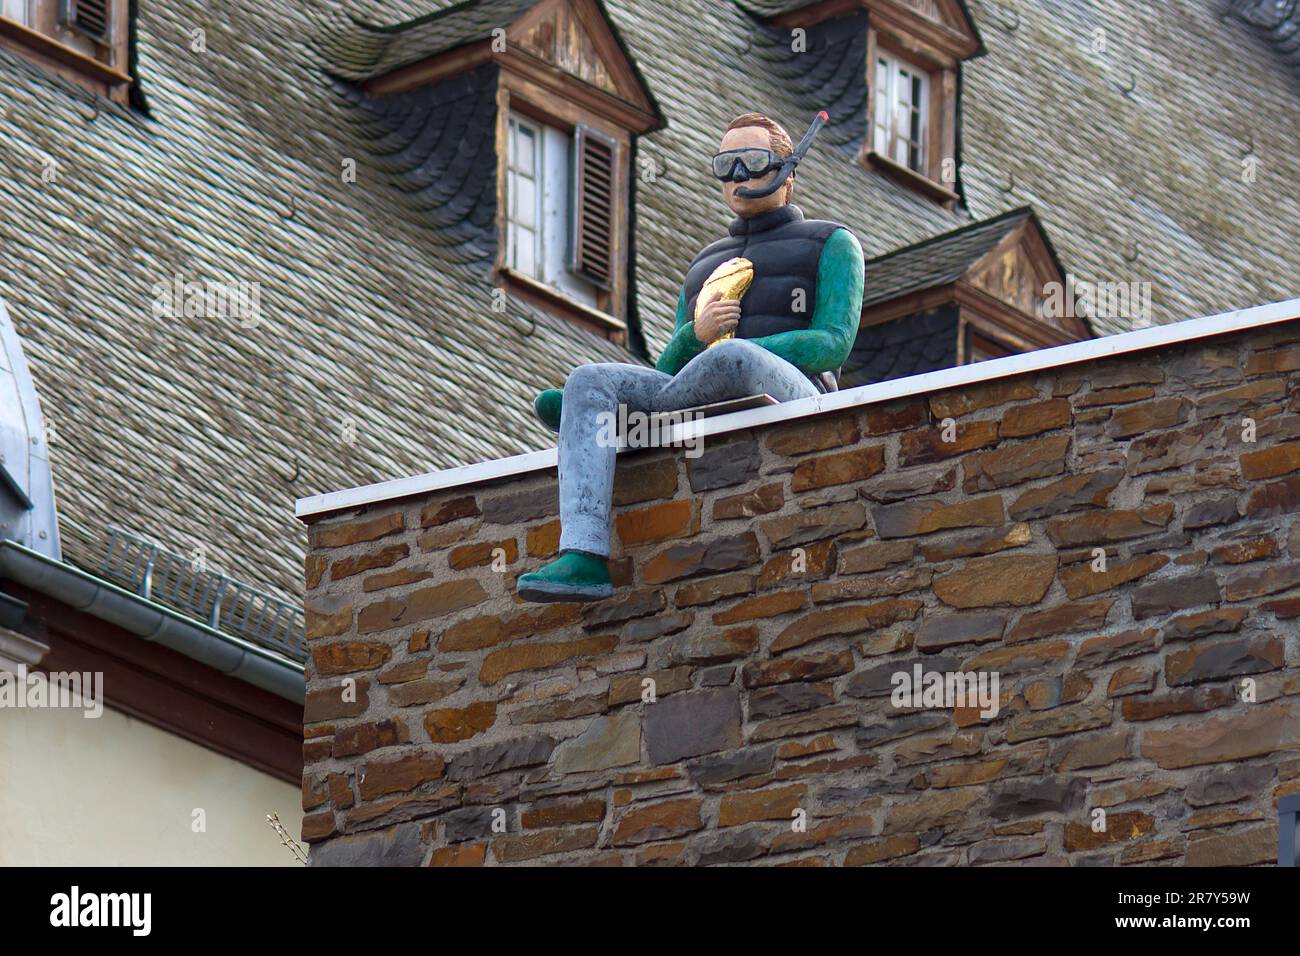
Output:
x=733 y=369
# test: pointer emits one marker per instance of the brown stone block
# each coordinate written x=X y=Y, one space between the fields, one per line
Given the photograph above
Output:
x=926 y=516
x=1169 y=449
x=1147 y=417
x=320 y=623
x=557 y=813
x=971 y=398
x=382 y=777
x=1115 y=396
x=941 y=810
x=448 y=725
x=356 y=530
x=393 y=579
x=629 y=687
x=1015 y=464
x=1062 y=619
x=425 y=691
x=1244 y=398
x=482 y=553
x=658 y=821
x=1021 y=421
x=1059 y=721
x=518 y=848
x=659 y=522
x=1271 y=462
x=444 y=512
x=840 y=468
x=420 y=605
x=1175 y=594
x=1131 y=680
x=1012 y=536
x=927 y=446
x=774 y=803
x=476 y=633
x=637 y=480
x=875 y=586
x=1121 y=827
x=749 y=504
x=911 y=483
x=843 y=715
x=1196 y=701
x=702 y=557
x=461 y=854
x=848 y=620
x=341 y=795
x=1017 y=657
x=1217 y=621
x=1251 y=549
x=895 y=417
x=712 y=590
x=1277 y=497
x=781 y=670
x=439 y=539
x=543 y=540
x=330 y=703
x=1085 y=490
x=1104 y=526
x=1285 y=609
x=1113 y=647
x=527 y=657
x=318 y=826
x=349 y=657
x=878 y=851
x=813 y=434
x=1253 y=583
x=1082 y=581
x=314 y=565
x=1204 y=661
x=1001 y=579
x=1259 y=729
x=875 y=557
x=362 y=738
x=798 y=565
x=764 y=606
x=1273 y=361
x=814 y=524
x=1235 y=847
x=383 y=558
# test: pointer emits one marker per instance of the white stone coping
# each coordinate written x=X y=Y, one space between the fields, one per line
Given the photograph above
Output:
x=315 y=506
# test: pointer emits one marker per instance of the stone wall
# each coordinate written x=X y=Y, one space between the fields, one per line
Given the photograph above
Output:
x=1106 y=538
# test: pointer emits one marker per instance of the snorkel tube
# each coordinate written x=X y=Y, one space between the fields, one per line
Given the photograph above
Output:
x=790 y=162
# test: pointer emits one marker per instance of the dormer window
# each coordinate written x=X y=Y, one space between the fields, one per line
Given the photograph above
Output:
x=551 y=86
x=83 y=40
x=542 y=211
x=914 y=49
x=902 y=111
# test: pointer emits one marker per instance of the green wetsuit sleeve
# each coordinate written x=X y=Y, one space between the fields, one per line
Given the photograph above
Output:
x=683 y=346
x=827 y=341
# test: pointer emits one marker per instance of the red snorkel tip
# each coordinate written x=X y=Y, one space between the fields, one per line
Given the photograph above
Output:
x=824 y=115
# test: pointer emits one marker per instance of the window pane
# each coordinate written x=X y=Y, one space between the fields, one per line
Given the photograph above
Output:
x=525 y=202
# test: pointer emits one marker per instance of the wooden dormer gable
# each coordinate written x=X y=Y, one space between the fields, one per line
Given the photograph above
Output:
x=555 y=48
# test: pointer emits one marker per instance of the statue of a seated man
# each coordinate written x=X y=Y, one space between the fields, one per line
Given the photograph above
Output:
x=786 y=337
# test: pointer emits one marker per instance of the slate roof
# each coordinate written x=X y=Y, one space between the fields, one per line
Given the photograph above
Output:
x=1279 y=22
x=911 y=345
x=378 y=354
x=937 y=261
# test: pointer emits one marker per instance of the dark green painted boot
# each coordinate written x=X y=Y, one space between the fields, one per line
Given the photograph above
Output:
x=547 y=405
x=573 y=576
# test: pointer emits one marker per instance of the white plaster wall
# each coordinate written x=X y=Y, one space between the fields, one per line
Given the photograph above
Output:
x=117 y=791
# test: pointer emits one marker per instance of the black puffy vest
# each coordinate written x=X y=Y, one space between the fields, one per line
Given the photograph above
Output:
x=786 y=250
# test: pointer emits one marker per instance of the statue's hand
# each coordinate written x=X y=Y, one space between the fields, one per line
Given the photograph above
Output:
x=717 y=318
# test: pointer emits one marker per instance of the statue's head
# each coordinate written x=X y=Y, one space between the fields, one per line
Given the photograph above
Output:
x=748 y=158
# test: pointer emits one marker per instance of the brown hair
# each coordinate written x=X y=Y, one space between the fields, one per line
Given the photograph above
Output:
x=778 y=139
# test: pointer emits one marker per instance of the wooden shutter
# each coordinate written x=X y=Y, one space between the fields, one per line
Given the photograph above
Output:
x=594 y=206
x=91 y=18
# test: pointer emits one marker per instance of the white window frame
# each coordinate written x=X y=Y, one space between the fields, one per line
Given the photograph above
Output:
x=16 y=10
x=543 y=250
x=902 y=94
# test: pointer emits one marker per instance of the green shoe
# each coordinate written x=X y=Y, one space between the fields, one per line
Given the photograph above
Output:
x=547 y=406
x=573 y=576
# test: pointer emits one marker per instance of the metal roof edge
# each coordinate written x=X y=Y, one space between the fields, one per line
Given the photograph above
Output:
x=1124 y=343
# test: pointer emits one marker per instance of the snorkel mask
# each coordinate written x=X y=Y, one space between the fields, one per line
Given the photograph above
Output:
x=742 y=165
